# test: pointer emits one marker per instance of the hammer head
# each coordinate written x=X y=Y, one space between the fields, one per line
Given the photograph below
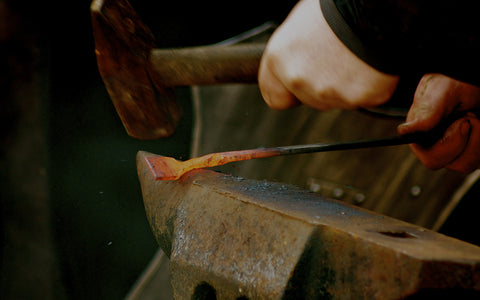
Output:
x=123 y=45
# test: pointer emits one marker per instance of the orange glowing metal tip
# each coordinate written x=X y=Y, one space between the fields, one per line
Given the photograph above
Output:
x=168 y=168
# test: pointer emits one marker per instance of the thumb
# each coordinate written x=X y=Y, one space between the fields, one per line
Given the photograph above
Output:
x=273 y=91
x=431 y=104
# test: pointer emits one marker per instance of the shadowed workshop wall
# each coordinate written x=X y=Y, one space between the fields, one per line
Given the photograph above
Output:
x=73 y=222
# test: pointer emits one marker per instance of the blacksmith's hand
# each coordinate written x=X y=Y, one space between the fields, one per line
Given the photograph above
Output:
x=305 y=62
x=438 y=98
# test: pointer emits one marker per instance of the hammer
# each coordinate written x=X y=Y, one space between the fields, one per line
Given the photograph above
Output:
x=140 y=79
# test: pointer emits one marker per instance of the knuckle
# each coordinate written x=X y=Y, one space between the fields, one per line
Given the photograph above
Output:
x=369 y=98
x=296 y=82
x=325 y=92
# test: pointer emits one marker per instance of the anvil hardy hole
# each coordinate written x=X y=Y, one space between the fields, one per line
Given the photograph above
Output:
x=397 y=234
x=204 y=291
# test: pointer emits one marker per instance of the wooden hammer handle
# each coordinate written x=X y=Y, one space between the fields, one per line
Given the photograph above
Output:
x=207 y=65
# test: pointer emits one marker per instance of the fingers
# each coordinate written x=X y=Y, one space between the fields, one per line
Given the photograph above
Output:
x=458 y=150
x=430 y=104
x=305 y=62
x=469 y=159
x=438 y=99
x=273 y=91
x=447 y=149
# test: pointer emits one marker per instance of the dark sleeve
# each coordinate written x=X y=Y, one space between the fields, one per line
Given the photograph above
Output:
x=411 y=36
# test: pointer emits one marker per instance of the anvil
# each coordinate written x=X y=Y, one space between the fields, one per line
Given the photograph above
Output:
x=237 y=238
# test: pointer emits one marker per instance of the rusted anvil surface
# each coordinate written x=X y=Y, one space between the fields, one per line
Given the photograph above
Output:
x=234 y=237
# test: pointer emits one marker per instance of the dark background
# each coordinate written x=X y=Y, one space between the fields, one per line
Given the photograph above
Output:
x=73 y=222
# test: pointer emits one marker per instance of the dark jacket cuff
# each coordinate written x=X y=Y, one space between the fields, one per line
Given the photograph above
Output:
x=377 y=58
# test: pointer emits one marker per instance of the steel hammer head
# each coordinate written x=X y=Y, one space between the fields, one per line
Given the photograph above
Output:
x=123 y=45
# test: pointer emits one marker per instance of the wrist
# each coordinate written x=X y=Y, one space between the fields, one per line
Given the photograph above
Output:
x=375 y=57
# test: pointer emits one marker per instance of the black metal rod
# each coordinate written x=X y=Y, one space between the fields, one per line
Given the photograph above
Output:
x=349 y=145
